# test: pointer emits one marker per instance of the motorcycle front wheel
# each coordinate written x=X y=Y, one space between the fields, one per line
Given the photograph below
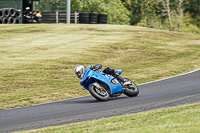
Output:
x=38 y=20
x=131 y=90
x=100 y=94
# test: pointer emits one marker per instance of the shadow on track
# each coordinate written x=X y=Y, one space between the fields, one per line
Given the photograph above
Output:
x=92 y=100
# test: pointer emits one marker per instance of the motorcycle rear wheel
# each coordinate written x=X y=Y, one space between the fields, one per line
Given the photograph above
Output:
x=100 y=94
x=131 y=90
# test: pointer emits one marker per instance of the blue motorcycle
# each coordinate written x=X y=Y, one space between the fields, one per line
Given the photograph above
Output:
x=103 y=86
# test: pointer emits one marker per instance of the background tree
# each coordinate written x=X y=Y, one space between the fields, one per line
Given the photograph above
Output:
x=166 y=5
x=180 y=13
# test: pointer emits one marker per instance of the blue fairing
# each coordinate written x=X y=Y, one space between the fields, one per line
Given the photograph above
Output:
x=90 y=77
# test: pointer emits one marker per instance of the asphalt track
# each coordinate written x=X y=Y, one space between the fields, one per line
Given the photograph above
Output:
x=178 y=90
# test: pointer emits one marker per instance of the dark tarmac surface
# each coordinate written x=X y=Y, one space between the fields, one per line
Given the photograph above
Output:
x=165 y=93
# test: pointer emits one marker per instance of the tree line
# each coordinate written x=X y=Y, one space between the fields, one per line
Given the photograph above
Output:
x=175 y=15
x=178 y=15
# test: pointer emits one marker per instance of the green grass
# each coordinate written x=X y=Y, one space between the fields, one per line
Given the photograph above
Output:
x=181 y=119
x=37 y=61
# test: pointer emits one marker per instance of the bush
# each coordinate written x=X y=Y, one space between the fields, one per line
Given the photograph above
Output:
x=188 y=25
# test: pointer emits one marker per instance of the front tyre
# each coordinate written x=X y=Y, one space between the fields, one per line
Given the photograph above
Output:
x=100 y=93
x=38 y=20
x=131 y=90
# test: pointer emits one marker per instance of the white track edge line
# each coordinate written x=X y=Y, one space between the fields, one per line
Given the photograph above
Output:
x=170 y=77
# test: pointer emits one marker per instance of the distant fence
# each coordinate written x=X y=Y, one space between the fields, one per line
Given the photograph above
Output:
x=12 y=16
x=82 y=17
x=59 y=17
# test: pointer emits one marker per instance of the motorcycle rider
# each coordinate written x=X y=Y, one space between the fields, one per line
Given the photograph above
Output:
x=27 y=11
x=80 y=70
x=37 y=16
x=27 y=15
x=30 y=17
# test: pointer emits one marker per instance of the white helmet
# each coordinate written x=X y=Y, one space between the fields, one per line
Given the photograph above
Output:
x=79 y=70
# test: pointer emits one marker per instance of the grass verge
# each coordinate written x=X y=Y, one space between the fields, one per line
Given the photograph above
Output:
x=37 y=61
x=180 y=119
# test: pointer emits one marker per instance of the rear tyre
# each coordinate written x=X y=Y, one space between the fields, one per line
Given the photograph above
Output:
x=100 y=94
x=131 y=90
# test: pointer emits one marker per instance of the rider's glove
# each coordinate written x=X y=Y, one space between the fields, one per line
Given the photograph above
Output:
x=93 y=68
x=96 y=67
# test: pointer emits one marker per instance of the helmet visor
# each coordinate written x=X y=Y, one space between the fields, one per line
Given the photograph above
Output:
x=78 y=74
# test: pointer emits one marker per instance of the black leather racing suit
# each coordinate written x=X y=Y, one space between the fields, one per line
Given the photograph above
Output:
x=108 y=70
